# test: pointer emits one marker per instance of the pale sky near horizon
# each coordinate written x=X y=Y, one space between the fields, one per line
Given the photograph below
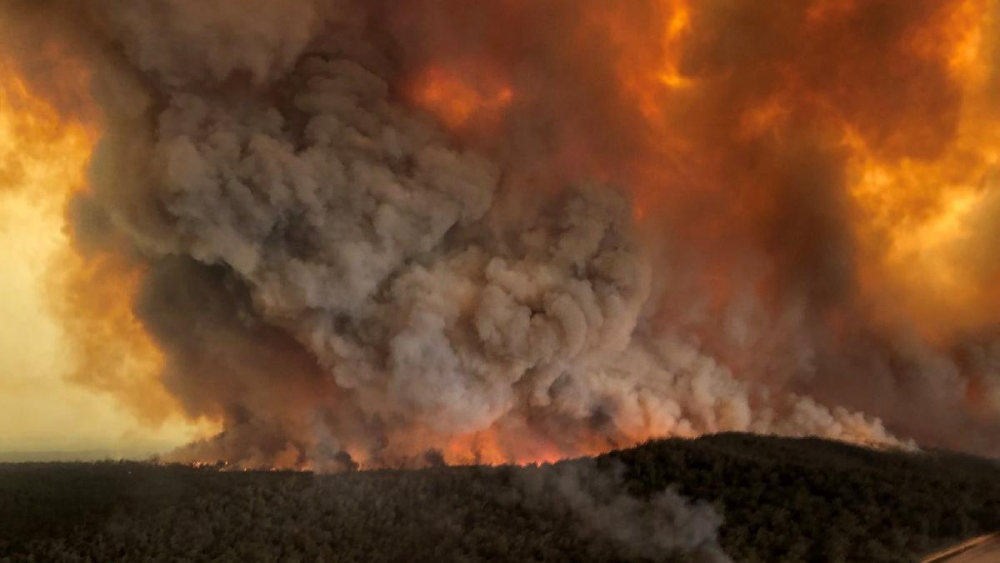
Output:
x=40 y=411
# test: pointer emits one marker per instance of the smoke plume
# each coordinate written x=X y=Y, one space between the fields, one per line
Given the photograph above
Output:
x=515 y=231
x=660 y=528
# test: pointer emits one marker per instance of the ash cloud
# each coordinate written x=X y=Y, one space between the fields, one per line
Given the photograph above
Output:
x=758 y=262
x=341 y=281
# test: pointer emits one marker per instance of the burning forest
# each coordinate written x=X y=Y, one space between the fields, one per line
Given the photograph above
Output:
x=371 y=233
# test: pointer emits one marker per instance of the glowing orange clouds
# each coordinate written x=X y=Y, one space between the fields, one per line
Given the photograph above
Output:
x=923 y=220
x=457 y=102
x=81 y=305
x=36 y=144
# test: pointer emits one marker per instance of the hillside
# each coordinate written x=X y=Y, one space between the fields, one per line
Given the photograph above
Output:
x=748 y=498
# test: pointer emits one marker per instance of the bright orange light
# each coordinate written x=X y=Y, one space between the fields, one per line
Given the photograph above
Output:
x=44 y=157
x=500 y=444
x=36 y=144
x=457 y=102
x=918 y=222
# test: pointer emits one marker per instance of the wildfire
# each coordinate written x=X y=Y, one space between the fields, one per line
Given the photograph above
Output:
x=922 y=193
x=802 y=176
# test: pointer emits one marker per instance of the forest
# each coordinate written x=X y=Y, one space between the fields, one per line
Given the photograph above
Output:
x=728 y=497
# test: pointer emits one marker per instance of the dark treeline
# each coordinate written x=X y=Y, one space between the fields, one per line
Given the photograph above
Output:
x=815 y=500
x=779 y=499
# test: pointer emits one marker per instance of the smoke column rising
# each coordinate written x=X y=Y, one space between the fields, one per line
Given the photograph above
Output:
x=513 y=231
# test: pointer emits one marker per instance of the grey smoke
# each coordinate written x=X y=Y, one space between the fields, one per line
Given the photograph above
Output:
x=328 y=272
x=660 y=527
x=359 y=229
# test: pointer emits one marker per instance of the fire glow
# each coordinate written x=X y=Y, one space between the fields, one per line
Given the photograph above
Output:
x=44 y=157
x=458 y=103
x=624 y=221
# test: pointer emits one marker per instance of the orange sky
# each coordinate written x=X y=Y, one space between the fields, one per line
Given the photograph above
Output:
x=40 y=410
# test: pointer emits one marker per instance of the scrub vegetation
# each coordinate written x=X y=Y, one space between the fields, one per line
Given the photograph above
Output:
x=754 y=498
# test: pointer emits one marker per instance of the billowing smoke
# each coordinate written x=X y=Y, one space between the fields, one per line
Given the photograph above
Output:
x=661 y=528
x=509 y=231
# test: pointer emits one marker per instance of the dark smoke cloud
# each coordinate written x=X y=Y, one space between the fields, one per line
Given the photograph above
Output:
x=328 y=271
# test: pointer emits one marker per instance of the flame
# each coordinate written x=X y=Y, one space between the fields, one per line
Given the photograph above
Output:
x=495 y=446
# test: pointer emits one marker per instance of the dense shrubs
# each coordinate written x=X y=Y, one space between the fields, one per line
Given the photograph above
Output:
x=782 y=500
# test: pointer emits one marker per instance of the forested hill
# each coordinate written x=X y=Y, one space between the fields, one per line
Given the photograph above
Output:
x=731 y=496
x=816 y=500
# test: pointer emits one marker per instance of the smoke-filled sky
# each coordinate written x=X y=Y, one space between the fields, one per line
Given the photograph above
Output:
x=334 y=232
x=42 y=411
